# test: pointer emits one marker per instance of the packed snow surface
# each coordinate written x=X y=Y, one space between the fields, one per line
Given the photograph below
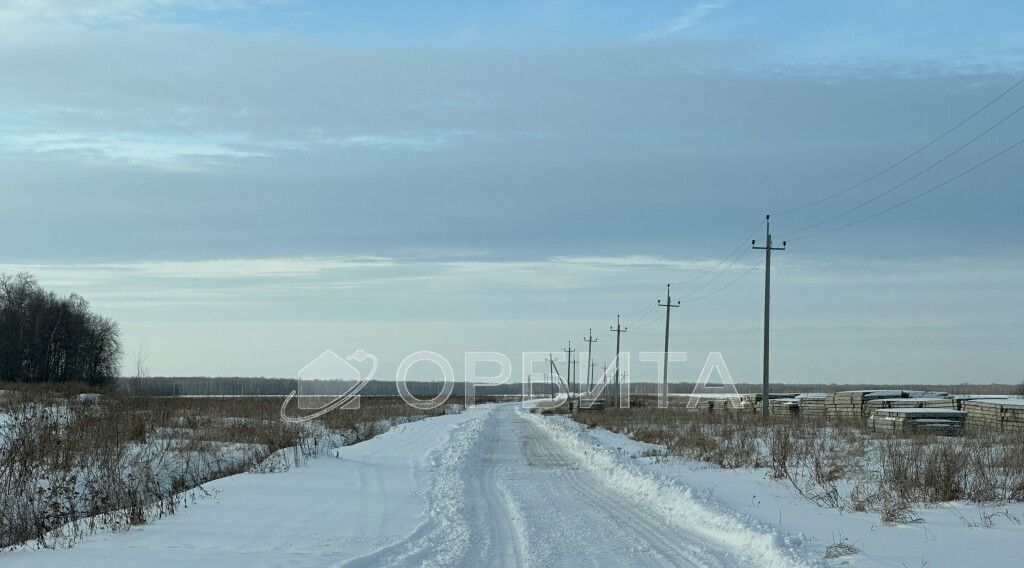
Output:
x=500 y=486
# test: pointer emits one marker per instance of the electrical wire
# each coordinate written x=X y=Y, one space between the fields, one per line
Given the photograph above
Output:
x=643 y=312
x=727 y=285
x=918 y=195
x=653 y=316
x=717 y=276
x=645 y=315
x=645 y=319
x=643 y=325
x=900 y=162
x=905 y=181
x=727 y=257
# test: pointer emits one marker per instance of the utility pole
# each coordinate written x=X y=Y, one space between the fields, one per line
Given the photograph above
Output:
x=618 y=330
x=590 y=357
x=568 y=368
x=668 y=305
x=576 y=375
x=767 y=248
x=553 y=374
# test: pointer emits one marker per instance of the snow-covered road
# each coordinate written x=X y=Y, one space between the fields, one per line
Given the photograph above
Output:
x=521 y=498
x=493 y=486
x=573 y=518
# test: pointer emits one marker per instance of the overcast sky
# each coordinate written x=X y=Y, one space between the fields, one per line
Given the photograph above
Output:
x=243 y=185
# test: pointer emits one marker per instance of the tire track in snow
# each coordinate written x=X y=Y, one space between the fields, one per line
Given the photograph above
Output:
x=742 y=541
x=443 y=539
x=509 y=489
x=670 y=547
x=497 y=524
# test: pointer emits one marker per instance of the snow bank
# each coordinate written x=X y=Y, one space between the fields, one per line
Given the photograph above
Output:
x=443 y=537
x=761 y=543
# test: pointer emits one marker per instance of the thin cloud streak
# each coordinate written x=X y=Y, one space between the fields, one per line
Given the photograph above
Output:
x=232 y=280
x=690 y=18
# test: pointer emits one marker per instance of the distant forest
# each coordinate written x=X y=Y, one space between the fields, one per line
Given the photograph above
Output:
x=256 y=386
x=46 y=338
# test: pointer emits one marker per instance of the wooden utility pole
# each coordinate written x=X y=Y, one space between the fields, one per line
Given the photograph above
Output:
x=576 y=375
x=668 y=305
x=551 y=374
x=568 y=368
x=590 y=358
x=767 y=248
x=618 y=330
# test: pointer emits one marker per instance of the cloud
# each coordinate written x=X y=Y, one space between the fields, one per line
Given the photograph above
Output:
x=280 y=267
x=599 y=150
x=161 y=152
x=418 y=142
x=85 y=12
x=227 y=280
x=256 y=267
x=198 y=150
x=617 y=262
x=689 y=19
x=182 y=279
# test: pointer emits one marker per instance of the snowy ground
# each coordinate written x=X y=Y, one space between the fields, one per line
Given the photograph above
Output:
x=499 y=486
x=950 y=534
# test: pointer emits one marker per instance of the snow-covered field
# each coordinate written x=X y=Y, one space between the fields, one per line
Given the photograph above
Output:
x=950 y=534
x=496 y=485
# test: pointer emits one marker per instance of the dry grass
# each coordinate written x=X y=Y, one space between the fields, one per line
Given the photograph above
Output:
x=840 y=549
x=70 y=463
x=840 y=465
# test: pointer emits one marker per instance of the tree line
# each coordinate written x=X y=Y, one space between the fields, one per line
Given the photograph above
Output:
x=260 y=386
x=46 y=338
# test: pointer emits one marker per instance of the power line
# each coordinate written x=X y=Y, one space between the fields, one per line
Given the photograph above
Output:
x=900 y=162
x=916 y=196
x=651 y=316
x=642 y=321
x=646 y=312
x=650 y=321
x=717 y=276
x=742 y=246
x=730 y=283
x=643 y=313
x=907 y=180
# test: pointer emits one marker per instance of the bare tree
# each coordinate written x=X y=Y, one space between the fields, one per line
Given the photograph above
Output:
x=141 y=356
x=48 y=338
